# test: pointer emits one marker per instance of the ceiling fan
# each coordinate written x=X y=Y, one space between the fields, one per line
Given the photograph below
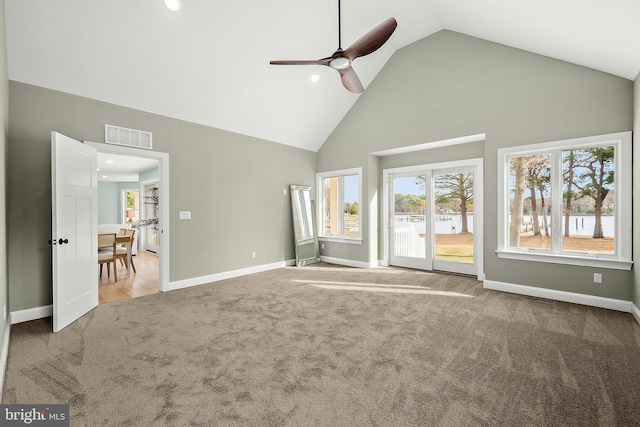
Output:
x=341 y=59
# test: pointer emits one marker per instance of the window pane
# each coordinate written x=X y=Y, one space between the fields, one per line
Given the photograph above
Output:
x=351 y=208
x=131 y=210
x=331 y=205
x=588 y=200
x=529 y=201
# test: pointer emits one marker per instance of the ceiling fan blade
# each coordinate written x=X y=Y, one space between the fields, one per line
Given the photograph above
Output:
x=350 y=80
x=324 y=61
x=371 y=41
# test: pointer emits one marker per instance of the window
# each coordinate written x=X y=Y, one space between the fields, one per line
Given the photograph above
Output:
x=339 y=193
x=567 y=202
x=130 y=206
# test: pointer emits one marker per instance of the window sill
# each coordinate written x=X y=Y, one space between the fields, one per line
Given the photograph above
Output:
x=350 y=240
x=590 y=261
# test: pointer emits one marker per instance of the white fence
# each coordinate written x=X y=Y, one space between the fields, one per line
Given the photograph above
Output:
x=407 y=242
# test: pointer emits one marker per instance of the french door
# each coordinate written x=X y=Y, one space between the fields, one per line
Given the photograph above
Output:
x=409 y=221
x=151 y=212
x=433 y=217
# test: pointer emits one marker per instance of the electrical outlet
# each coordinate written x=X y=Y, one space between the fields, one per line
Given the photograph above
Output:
x=597 y=278
x=284 y=192
x=253 y=254
x=322 y=246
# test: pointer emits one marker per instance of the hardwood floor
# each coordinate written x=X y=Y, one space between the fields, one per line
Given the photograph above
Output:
x=144 y=282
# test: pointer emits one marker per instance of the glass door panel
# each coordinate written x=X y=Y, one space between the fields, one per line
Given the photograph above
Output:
x=452 y=217
x=409 y=221
x=150 y=213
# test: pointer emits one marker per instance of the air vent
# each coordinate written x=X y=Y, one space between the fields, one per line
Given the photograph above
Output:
x=128 y=137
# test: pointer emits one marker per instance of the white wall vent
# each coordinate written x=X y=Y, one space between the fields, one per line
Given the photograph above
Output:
x=129 y=137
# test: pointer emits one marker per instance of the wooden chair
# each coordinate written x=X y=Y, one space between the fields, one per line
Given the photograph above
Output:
x=125 y=234
x=107 y=253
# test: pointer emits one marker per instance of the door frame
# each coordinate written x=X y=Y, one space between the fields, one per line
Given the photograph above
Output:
x=478 y=222
x=163 y=194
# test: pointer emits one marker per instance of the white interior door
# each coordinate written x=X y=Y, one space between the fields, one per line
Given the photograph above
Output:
x=74 y=229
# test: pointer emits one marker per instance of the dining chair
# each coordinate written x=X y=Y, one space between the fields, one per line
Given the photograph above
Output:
x=107 y=253
x=123 y=250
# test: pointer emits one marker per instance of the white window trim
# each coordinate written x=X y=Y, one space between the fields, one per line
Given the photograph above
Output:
x=320 y=200
x=621 y=260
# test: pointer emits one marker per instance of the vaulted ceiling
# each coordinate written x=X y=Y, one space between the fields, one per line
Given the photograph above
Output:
x=208 y=62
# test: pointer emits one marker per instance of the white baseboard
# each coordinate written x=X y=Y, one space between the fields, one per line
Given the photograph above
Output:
x=348 y=262
x=31 y=314
x=590 y=300
x=4 y=355
x=195 y=281
x=636 y=312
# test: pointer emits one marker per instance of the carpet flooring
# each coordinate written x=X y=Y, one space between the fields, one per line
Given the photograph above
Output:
x=332 y=346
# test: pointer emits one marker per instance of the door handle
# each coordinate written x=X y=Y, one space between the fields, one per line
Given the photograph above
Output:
x=63 y=241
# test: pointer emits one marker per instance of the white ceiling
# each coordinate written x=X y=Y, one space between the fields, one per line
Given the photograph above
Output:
x=116 y=168
x=208 y=62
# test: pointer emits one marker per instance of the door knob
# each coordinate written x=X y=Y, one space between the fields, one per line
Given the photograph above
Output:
x=63 y=241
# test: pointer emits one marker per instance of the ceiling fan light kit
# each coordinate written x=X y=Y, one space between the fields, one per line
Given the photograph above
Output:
x=341 y=60
x=340 y=63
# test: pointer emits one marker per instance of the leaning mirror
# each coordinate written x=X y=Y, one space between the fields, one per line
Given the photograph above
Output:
x=304 y=225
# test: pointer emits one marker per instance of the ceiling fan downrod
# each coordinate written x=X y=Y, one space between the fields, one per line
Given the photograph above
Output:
x=339 y=30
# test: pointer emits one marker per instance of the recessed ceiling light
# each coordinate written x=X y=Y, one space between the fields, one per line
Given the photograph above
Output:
x=98 y=169
x=105 y=176
x=315 y=78
x=108 y=162
x=172 y=4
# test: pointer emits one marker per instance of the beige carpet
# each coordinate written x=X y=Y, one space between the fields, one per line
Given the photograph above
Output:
x=330 y=346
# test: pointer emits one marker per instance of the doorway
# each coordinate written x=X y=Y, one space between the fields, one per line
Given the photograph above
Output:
x=434 y=214
x=119 y=212
x=153 y=275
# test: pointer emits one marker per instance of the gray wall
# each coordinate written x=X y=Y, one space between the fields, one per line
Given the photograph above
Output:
x=4 y=109
x=636 y=189
x=450 y=85
x=232 y=184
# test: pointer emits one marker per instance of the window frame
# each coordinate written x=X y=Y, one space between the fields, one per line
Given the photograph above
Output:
x=621 y=259
x=341 y=238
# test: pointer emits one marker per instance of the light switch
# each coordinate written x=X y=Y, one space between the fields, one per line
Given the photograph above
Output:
x=185 y=214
